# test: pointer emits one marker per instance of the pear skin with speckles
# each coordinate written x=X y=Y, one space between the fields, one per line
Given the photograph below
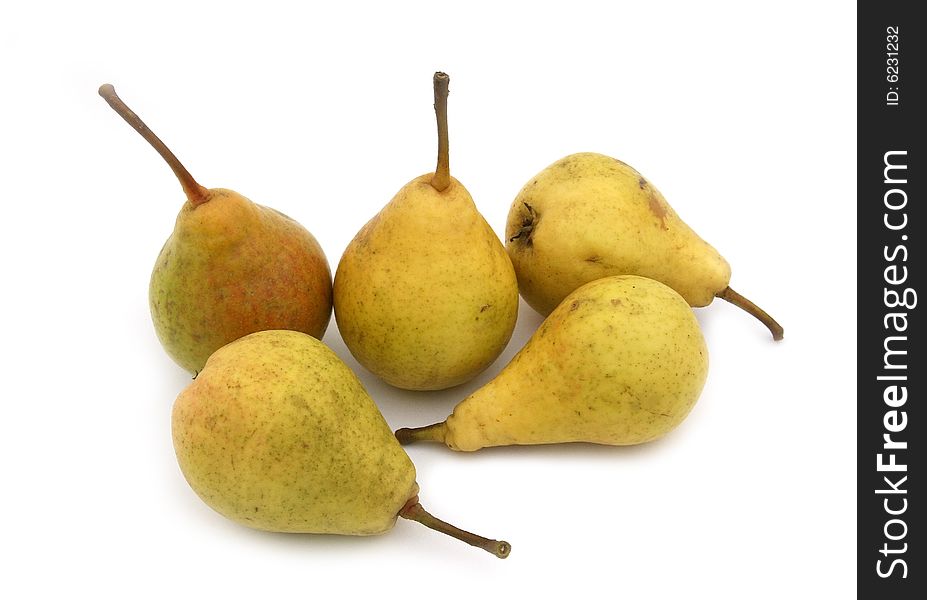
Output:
x=620 y=361
x=588 y=216
x=233 y=267
x=425 y=296
x=277 y=433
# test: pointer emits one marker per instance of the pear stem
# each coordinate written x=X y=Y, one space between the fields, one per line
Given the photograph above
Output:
x=429 y=433
x=742 y=303
x=414 y=512
x=194 y=191
x=442 y=177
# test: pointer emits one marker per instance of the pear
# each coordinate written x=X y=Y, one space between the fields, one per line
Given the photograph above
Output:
x=620 y=361
x=425 y=296
x=276 y=433
x=588 y=216
x=231 y=267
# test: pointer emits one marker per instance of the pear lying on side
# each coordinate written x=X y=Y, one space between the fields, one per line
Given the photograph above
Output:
x=276 y=433
x=425 y=295
x=620 y=361
x=588 y=216
x=231 y=267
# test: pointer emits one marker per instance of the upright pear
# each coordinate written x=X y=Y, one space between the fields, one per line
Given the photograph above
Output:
x=276 y=433
x=588 y=216
x=231 y=267
x=425 y=296
x=620 y=361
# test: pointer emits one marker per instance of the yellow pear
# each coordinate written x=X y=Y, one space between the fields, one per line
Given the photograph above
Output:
x=425 y=296
x=588 y=216
x=620 y=361
x=231 y=267
x=276 y=433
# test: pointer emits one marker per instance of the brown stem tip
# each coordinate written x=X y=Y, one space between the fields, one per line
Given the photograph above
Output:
x=739 y=301
x=414 y=512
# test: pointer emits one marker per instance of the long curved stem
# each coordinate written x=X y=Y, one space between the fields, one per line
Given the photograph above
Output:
x=442 y=177
x=194 y=191
x=429 y=433
x=414 y=512
x=739 y=301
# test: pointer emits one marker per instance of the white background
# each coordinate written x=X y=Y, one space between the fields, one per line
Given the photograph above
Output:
x=743 y=116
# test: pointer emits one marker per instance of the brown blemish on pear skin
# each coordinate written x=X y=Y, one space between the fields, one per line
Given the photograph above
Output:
x=656 y=207
x=579 y=301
